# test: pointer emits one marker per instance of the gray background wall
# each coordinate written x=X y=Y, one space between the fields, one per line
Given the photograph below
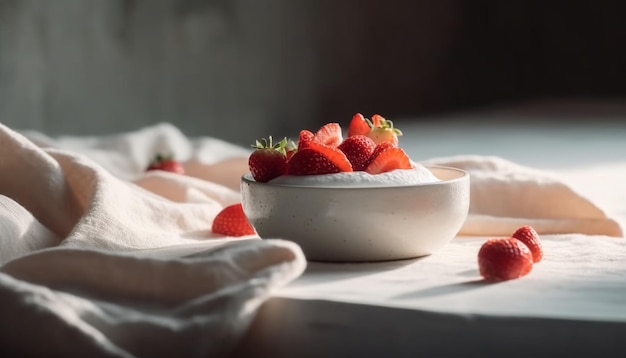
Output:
x=242 y=69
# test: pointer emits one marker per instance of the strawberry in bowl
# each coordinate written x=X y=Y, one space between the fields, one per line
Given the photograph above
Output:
x=353 y=198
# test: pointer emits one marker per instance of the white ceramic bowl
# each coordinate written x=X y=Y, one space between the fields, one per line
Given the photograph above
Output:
x=361 y=223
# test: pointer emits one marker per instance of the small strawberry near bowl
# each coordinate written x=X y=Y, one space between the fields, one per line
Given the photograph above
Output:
x=342 y=205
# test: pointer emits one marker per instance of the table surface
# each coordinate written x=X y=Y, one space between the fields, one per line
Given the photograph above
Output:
x=573 y=302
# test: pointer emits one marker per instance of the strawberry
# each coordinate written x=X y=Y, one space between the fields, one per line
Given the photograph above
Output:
x=305 y=137
x=377 y=120
x=358 y=149
x=530 y=238
x=383 y=130
x=329 y=134
x=380 y=147
x=387 y=160
x=166 y=163
x=359 y=125
x=231 y=221
x=317 y=159
x=505 y=258
x=268 y=160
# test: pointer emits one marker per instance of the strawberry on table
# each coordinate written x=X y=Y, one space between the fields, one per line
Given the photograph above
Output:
x=530 y=238
x=268 y=160
x=383 y=130
x=358 y=149
x=318 y=159
x=232 y=221
x=166 y=163
x=505 y=258
x=388 y=159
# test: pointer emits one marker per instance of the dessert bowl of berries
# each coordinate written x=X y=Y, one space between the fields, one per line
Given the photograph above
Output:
x=353 y=198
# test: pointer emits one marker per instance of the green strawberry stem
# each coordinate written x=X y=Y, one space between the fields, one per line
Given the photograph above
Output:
x=160 y=157
x=388 y=124
x=268 y=144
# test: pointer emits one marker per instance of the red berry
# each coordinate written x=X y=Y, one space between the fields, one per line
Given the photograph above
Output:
x=318 y=159
x=329 y=134
x=530 y=238
x=232 y=221
x=387 y=160
x=359 y=125
x=358 y=149
x=166 y=163
x=377 y=120
x=505 y=258
x=305 y=137
x=268 y=161
x=380 y=147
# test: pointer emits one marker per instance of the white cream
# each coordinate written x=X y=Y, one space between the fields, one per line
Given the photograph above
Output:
x=418 y=175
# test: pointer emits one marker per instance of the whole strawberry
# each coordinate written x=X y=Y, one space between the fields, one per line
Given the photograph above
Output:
x=505 y=258
x=268 y=160
x=232 y=221
x=530 y=238
x=166 y=163
x=358 y=149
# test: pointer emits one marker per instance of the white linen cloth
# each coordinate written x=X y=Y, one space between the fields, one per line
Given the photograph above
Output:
x=79 y=278
x=506 y=195
x=93 y=246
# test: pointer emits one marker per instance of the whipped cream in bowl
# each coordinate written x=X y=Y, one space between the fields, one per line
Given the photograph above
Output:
x=358 y=217
x=399 y=177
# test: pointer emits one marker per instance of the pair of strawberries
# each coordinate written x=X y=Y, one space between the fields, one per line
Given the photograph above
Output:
x=371 y=146
x=507 y=258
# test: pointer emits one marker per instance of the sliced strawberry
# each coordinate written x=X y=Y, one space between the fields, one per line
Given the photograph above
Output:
x=359 y=125
x=166 y=163
x=377 y=120
x=380 y=147
x=305 y=137
x=329 y=134
x=506 y=258
x=232 y=221
x=384 y=130
x=358 y=149
x=318 y=159
x=530 y=238
x=389 y=159
x=268 y=160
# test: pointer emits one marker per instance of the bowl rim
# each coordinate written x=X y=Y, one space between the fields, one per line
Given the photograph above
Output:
x=464 y=175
